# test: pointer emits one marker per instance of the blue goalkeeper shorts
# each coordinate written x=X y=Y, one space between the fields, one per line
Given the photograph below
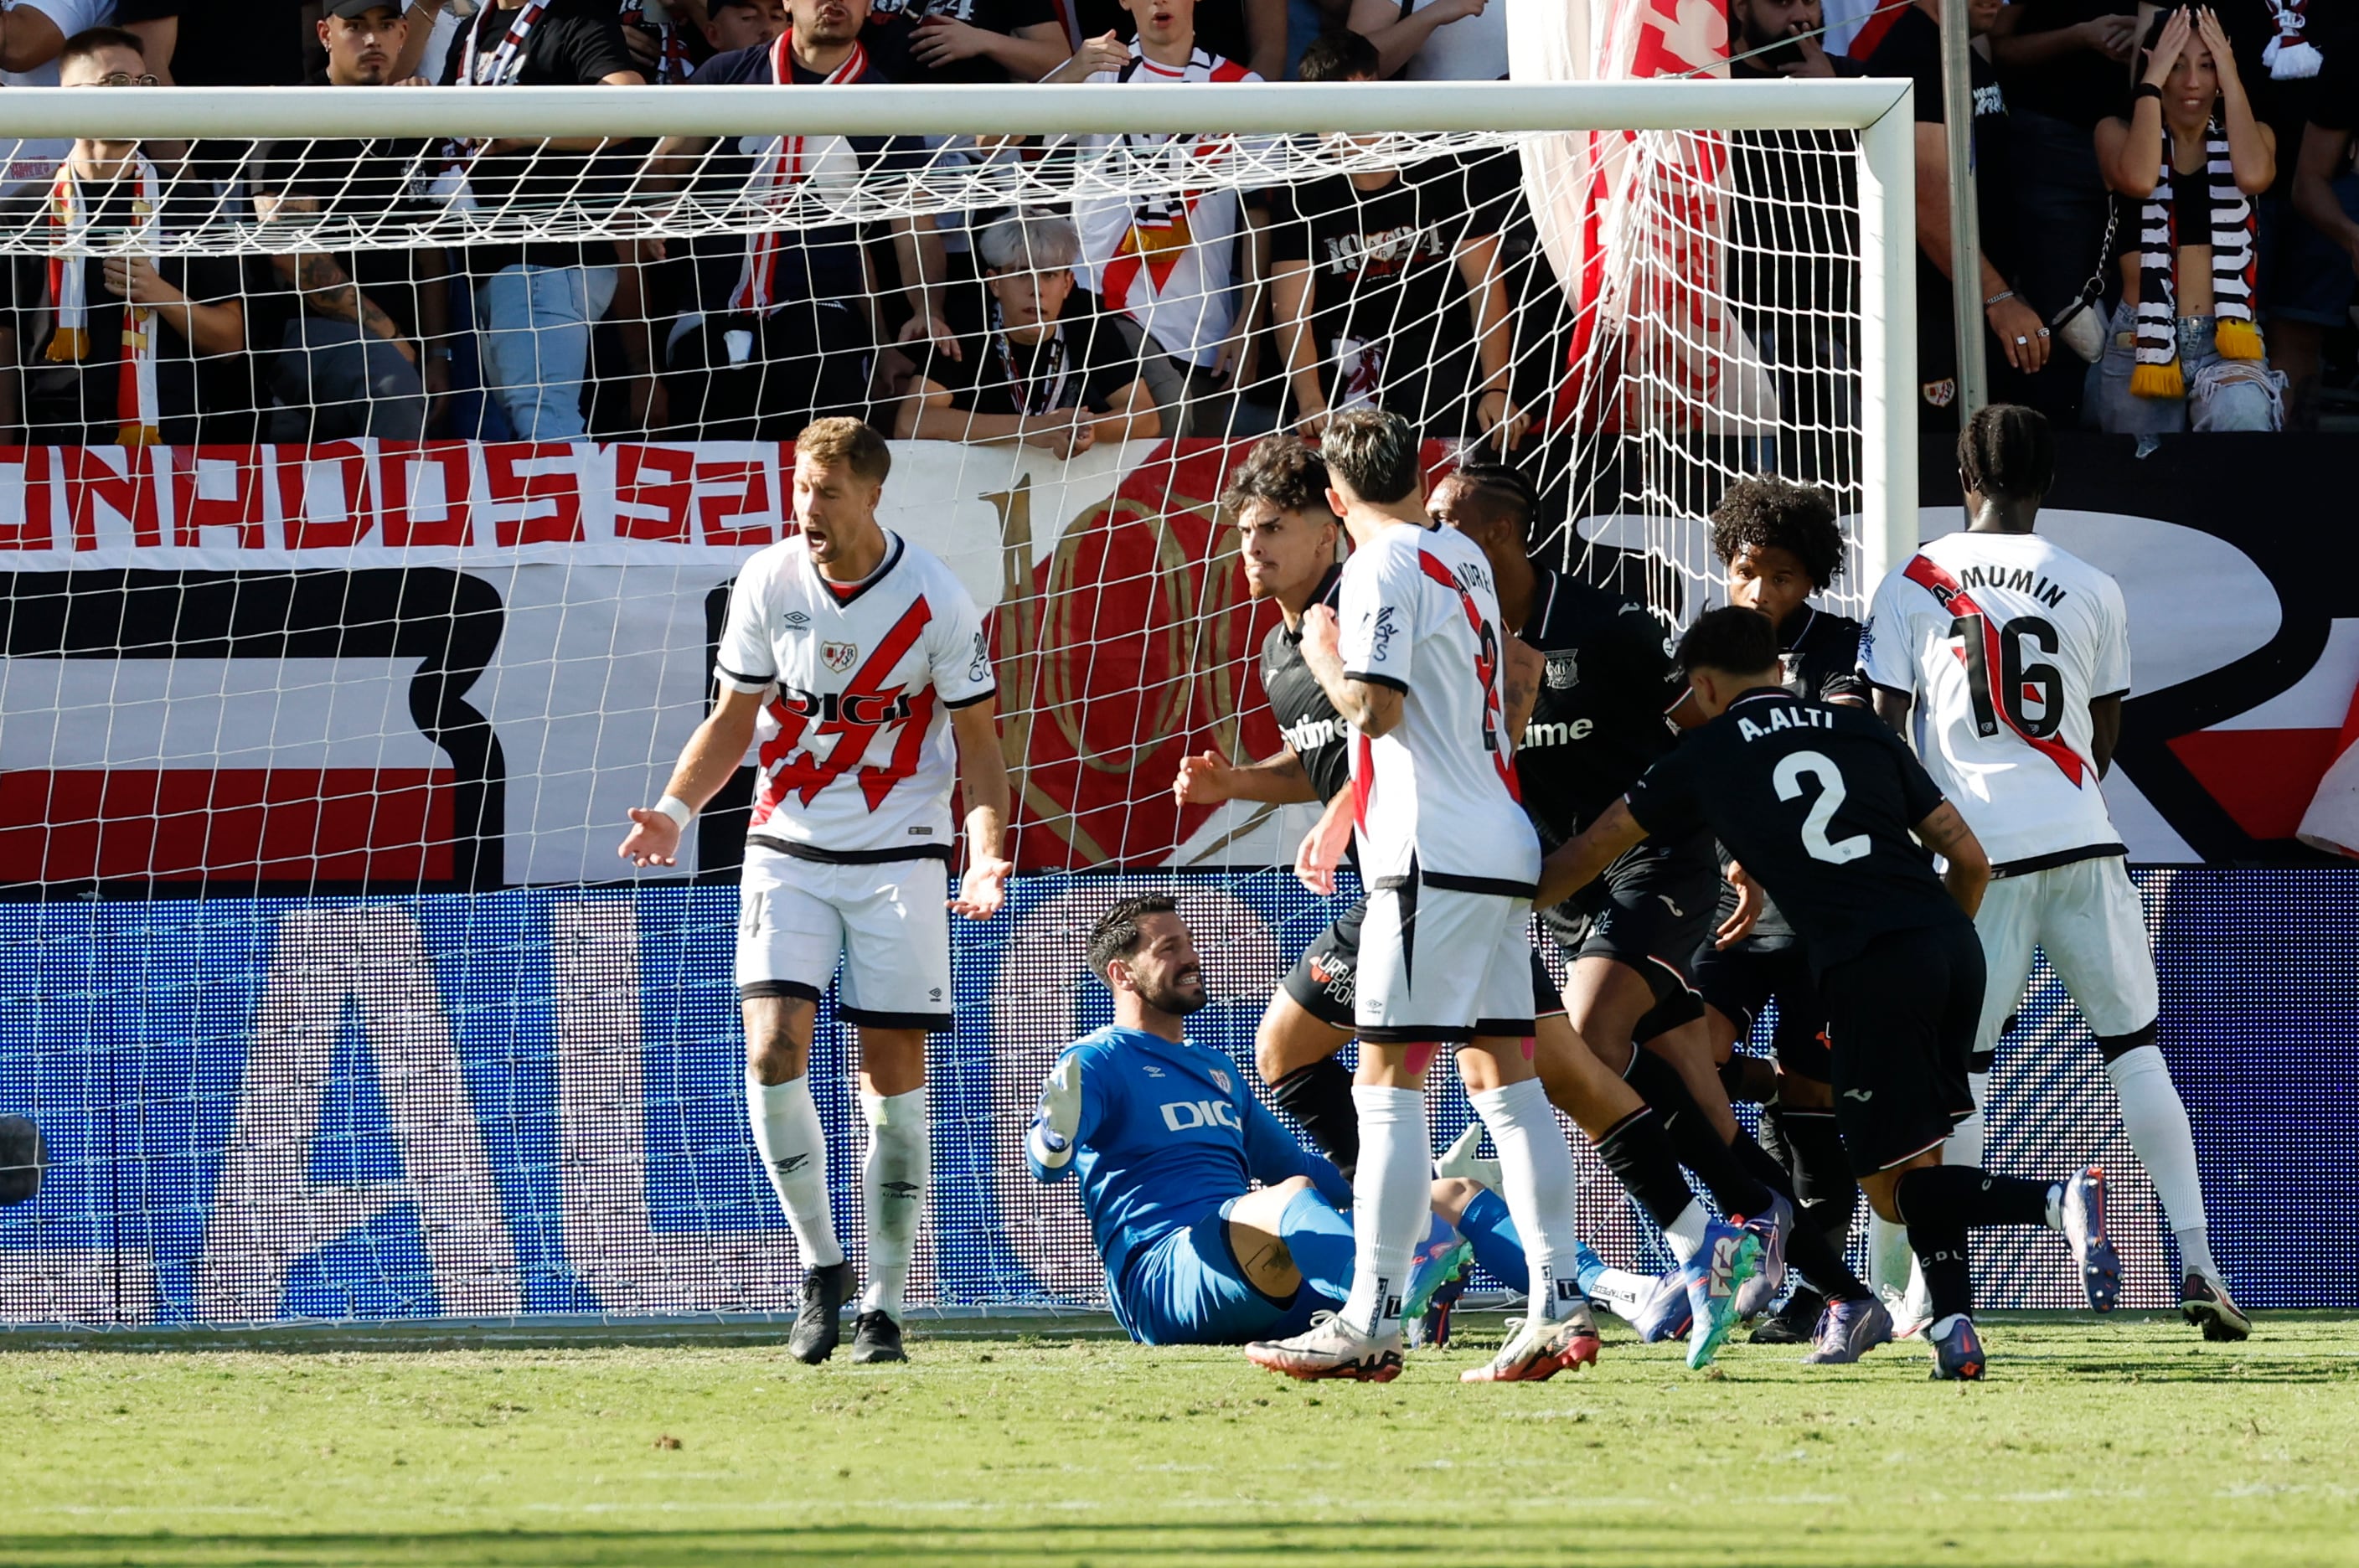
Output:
x=1187 y=1288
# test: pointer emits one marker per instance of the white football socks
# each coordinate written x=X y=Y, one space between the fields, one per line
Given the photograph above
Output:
x=893 y=1194
x=2156 y=1119
x=1623 y=1293
x=1392 y=1203
x=794 y=1151
x=1686 y=1233
x=1965 y=1145
x=1536 y=1180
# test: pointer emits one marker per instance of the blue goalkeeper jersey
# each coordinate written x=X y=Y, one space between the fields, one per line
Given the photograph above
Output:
x=1166 y=1133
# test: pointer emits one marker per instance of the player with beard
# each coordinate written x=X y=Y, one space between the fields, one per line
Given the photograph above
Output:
x=1631 y=939
x=1779 y=544
x=1169 y=1141
x=1287 y=548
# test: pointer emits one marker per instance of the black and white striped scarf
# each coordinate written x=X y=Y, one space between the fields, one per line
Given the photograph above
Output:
x=2158 y=371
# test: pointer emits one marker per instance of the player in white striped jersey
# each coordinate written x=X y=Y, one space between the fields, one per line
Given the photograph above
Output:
x=859 y=665
x=1445 y=954
x=2014 y=656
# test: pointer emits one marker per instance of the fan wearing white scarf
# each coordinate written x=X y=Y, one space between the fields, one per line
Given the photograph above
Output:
x=2194 y=155
x=822 y=40
x=106 y=200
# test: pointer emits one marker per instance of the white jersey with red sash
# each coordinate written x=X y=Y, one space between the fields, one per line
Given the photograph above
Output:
x=2003 y=640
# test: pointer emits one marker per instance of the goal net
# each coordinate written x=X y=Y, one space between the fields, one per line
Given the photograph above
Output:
x=378 y=467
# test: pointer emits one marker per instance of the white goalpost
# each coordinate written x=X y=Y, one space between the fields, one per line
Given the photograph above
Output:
x=357 y=576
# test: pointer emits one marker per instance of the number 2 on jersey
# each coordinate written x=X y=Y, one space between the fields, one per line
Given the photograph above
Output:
x=1817 y=765
x=2018 y=681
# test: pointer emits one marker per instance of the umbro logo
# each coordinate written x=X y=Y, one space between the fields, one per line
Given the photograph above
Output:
x=1863 y=1096
x=795 y=620
x=905 y=1191
x=792 y=1163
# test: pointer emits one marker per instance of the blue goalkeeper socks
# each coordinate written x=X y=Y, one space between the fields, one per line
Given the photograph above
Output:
x=1319 y=1236
x=1498 y=1250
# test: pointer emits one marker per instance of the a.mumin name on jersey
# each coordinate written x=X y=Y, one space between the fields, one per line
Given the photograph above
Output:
x=847 y=707
x=1786 y=719
x=1310 y=735
x=2021 y=580
x=1538 y=734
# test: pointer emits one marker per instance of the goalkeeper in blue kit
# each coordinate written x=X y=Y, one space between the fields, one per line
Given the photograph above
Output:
x=1169 y=1141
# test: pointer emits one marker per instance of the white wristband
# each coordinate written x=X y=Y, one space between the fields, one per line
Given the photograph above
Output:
x=677 y=809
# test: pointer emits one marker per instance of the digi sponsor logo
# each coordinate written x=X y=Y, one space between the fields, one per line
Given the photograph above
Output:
x=1185 y=1115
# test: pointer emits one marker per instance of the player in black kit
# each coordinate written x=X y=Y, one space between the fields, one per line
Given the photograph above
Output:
x=1780 y=543
x=1819 y=803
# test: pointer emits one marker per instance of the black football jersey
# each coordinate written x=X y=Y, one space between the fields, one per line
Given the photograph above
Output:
x=1817 y=802
x=1821 y=660
x=1600 y=720
x=1822 y=656
x=1304 y=717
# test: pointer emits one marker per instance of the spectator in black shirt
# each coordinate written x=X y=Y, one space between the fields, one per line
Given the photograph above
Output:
x=1369 y=274
x=2318 y=252
x=1912 y=47
x=120 y=347
x=2064 y=65
x=364 y=342
x=1027 y=372
x=536 y=300
x=781 y=327
x=924 y=41
x=218 y=43
x=1792 y=265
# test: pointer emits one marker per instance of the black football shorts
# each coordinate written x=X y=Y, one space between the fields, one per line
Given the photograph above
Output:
x=1901 y=1018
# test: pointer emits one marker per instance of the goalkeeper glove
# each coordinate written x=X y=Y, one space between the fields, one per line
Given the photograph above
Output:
x=1059 y=1114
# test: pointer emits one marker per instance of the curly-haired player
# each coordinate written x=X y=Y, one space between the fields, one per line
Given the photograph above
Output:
x=1780 y=544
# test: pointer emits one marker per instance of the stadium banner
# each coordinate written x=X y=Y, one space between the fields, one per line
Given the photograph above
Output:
x=392 y=667
x=531 y=1102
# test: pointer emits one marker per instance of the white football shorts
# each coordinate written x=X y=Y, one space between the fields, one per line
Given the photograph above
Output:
x=2086 y=917
x=1443 y=963
x=887 y=922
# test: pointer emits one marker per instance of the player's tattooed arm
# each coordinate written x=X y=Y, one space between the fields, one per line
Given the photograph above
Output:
x=983 y=778
x=1209 y=779
x=1572 y=866
x=1968 y=875
x=1521 y=684
x=1368 y=706
x=2105 y=730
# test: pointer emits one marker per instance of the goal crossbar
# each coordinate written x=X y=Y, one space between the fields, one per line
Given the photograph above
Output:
x=1034 y=108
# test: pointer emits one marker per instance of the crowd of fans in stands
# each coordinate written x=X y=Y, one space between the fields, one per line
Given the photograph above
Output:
x=2168 y=205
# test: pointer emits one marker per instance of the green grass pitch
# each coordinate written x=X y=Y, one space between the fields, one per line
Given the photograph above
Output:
x=2126 y=1441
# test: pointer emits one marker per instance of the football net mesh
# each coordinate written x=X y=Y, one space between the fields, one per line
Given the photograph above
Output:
x=368 y=564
